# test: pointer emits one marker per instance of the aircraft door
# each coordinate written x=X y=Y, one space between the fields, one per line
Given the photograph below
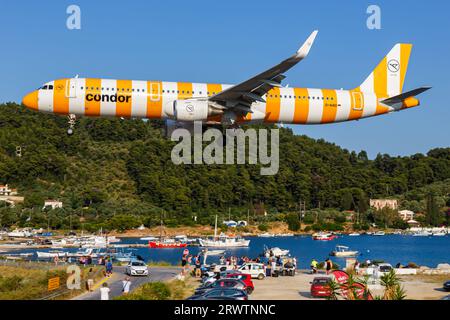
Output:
x=71 y=88
x=358 y=101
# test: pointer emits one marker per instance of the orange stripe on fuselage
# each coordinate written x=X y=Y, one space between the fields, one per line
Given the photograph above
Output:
x=329 y=106
x=213 y=89
x=273 y=102
x=123 y=103
x=380 y=79
x=93 y=87
x=184 y=90
x=154 y=99
x=301 y=105
x=60 y=100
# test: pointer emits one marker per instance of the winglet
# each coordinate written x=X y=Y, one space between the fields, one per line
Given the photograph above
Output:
x=304 y=49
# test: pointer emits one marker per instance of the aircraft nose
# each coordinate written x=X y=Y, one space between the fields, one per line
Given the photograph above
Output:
x=31 y=100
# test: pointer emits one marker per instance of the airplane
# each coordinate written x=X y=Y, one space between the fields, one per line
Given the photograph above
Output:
x=260 y=99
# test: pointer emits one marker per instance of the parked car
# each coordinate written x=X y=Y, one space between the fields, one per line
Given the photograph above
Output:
x=245 y=278
x=221 y=294
x=447 y=285
x=320 y=287
x=447 y=298
x=384 y=267
x=136 y=268
x=222 y=283
x=256 y=270
x=210 y=277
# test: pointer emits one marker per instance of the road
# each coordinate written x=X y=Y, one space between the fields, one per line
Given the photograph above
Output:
x=115 y=281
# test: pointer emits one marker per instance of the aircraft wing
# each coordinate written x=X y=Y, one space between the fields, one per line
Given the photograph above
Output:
x=242 y=95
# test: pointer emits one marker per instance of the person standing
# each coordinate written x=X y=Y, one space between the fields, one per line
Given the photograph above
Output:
x=313 y=265
x=198 y=266
x=329 y=265
x=126 y=284
x=357 y=265
x=109 y=268
x=90 y=280
x=104 y=292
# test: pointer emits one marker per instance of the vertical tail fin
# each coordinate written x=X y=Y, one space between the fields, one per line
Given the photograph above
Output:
x=389 y=76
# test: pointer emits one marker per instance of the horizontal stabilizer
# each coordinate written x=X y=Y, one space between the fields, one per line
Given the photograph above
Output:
x=405 y=95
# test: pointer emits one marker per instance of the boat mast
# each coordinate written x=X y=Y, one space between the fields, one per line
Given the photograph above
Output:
x=215 y=229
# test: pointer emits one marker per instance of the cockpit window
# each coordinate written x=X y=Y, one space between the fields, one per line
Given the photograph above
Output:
x=45 y=87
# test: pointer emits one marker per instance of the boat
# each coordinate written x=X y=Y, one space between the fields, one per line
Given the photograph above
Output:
x=275 y=252
x=51 y=254
x=379 y=233
x=165 y=243
x=343 y=251
x=354 y=234
x=285 y=235
x=266 y=235
x=423 y=233
x=323 y=236
x=213 y=252
x=223 y=241
x=439 y=234
x=149 y=238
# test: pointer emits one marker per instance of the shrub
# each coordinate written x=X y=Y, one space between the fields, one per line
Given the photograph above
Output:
x=10 y=283
x=292 y=221
x=263 y=227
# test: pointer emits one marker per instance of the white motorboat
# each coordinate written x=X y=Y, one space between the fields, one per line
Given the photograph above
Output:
x=51 y=254
x=224 y=241
x=149 y=238
x=266 y=235
x=285 y=235
x=379 y=233
x=423 y=233
x=343 y=251
x=275 y=252
x=354 y=234
x=439 y=234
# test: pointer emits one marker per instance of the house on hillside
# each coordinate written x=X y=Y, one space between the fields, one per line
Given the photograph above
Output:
x=5 y=190
x=406 y=215
x=54 y=204
x=379 y=204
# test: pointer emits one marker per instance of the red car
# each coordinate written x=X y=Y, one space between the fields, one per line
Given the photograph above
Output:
x=245 y=278
x=320 y=288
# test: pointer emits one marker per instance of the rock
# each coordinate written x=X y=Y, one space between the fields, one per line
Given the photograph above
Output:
x=424 y=268
x=443 y=266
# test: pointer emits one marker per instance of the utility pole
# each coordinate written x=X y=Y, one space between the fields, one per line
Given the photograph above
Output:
x=248 y=217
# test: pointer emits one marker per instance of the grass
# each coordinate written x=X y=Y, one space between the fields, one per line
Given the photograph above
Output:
x=30 y=281
x=171 y=290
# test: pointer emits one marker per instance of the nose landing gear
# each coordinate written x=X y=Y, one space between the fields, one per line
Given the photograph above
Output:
x=72 y=119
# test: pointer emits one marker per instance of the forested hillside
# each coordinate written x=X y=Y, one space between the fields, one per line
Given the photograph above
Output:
x=112 y=167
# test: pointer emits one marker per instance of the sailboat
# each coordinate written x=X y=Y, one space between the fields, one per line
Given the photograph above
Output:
x=165 y=243
x=223 y=241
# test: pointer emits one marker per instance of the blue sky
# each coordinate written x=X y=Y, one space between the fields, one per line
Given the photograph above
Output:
x=205 y=41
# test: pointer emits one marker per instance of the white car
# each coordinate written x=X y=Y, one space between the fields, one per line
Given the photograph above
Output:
x=256 y=270
x=136 y=268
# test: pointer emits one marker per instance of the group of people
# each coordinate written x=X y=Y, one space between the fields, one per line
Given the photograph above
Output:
x=327 y=265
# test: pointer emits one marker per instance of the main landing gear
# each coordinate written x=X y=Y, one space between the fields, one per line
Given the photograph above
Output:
x=72 y=119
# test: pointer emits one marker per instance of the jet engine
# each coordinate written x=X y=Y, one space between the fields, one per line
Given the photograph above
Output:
x=195 y=110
